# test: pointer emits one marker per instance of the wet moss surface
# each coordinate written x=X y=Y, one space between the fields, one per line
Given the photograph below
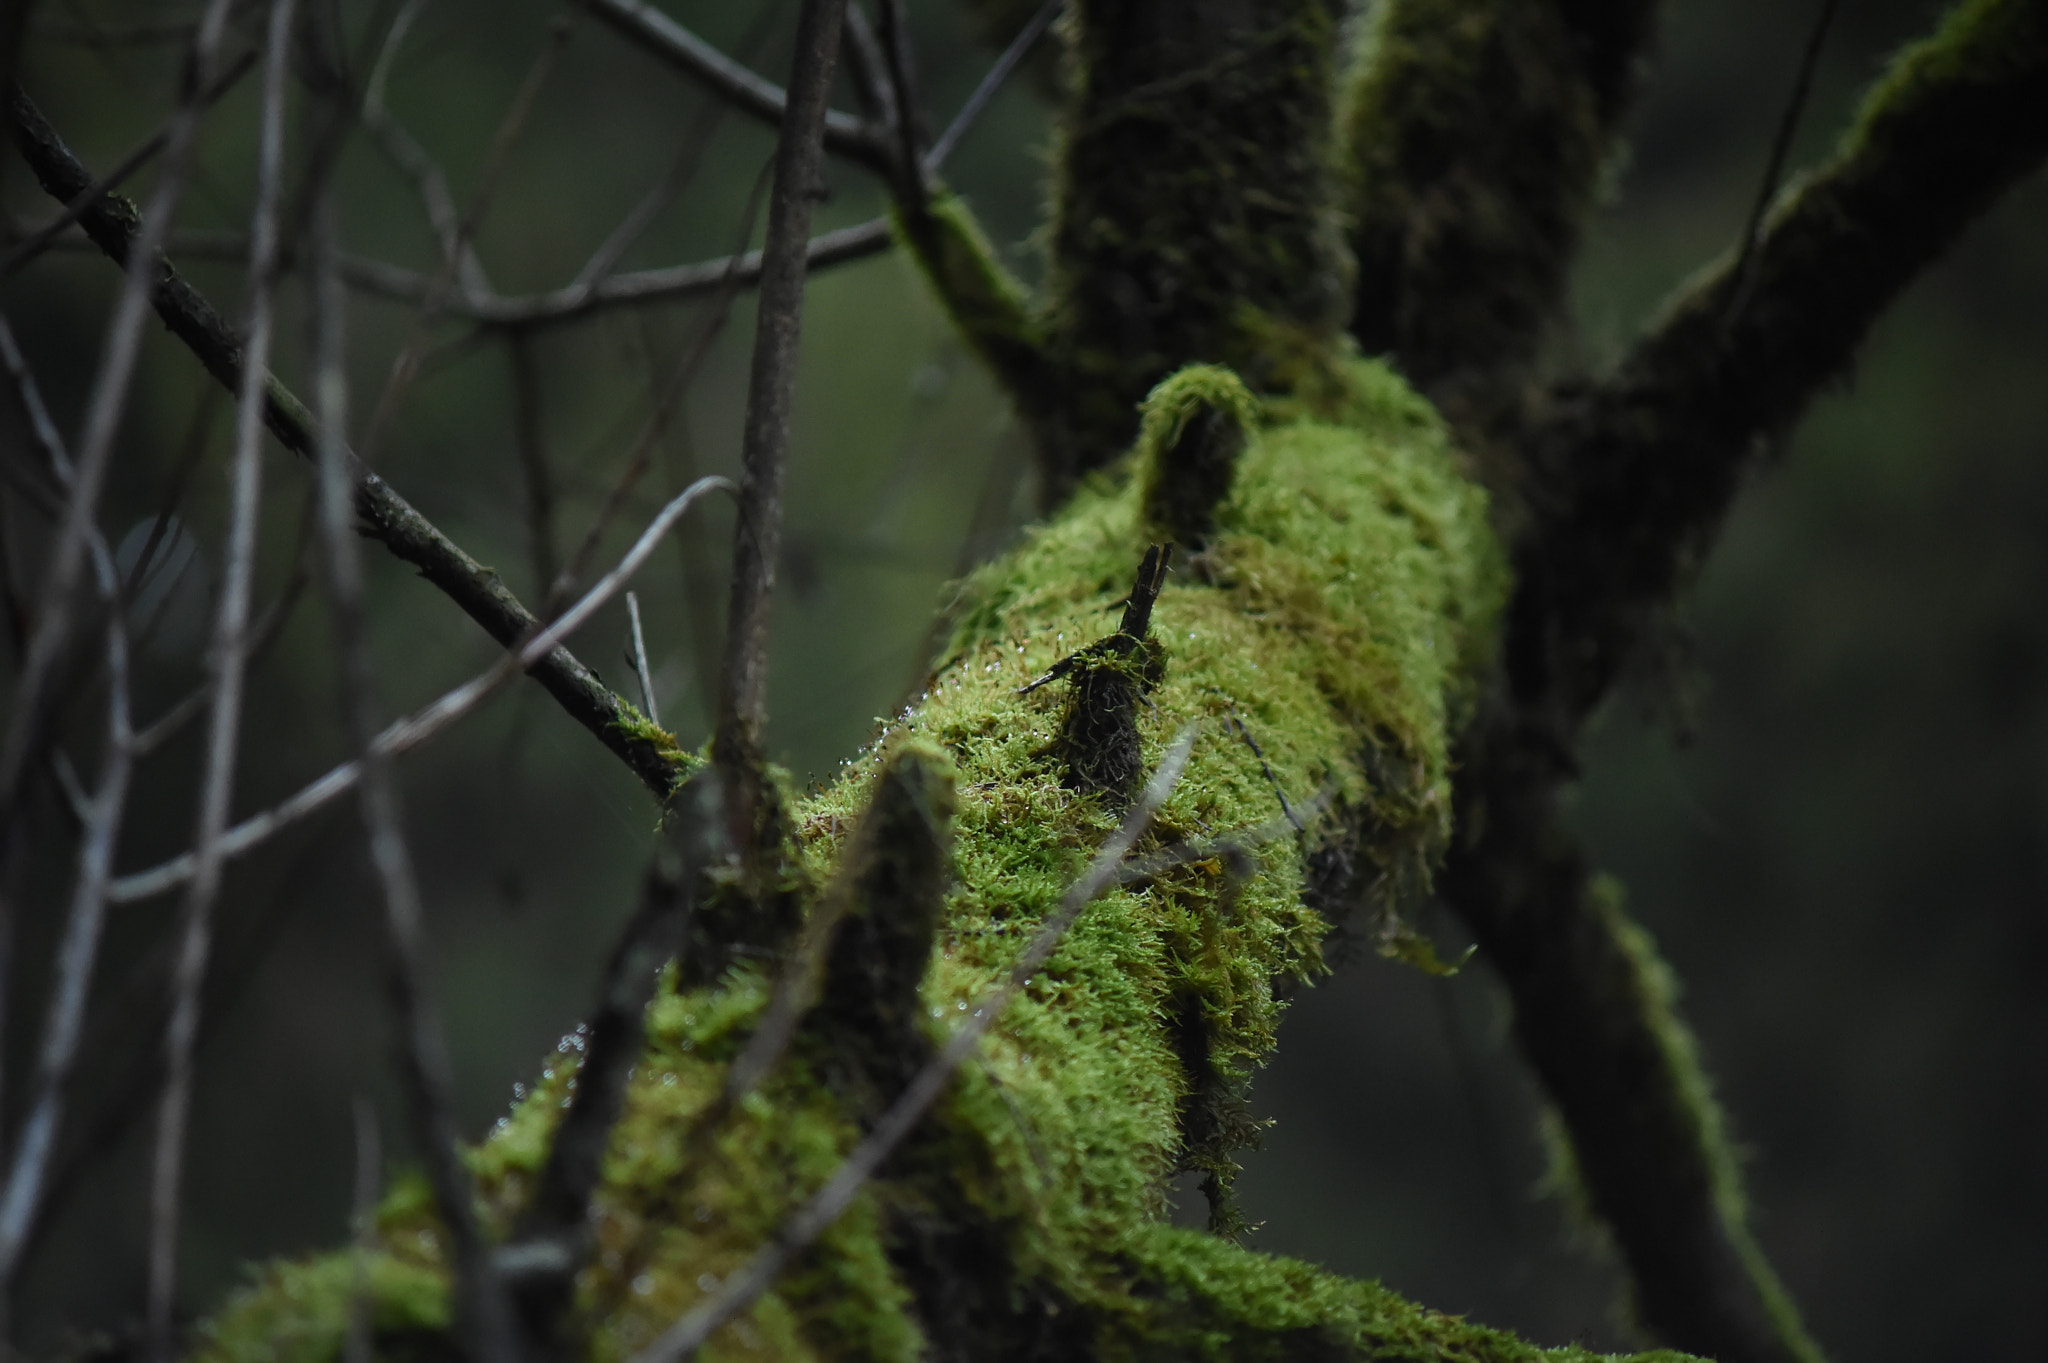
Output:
x=1323 y=643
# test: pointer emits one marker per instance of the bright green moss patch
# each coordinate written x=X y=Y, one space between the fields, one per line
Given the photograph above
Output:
x=1332 y=622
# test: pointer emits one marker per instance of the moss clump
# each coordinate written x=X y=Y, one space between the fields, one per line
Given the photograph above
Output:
x=1350 y=587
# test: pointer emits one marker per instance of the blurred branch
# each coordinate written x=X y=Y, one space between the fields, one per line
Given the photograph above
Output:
x=405 y=368
x=103 y=411
x=483 y=1308
x=571 y=302
x=1634 y=472
x=116 y=228
x=38 y=241
x=656 y=33
x=21 y=1197
x=738 y=745
x=403 y=735
x=230 y=653
x=409 y=156
x=1629 y=477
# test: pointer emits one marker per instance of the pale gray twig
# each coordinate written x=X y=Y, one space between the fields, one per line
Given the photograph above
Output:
x=483 y=1309
x=1019 y=48
x=230 y=654
x=406 y=734
x=405 y=368
x=640 y=661
x=78 y=950
x=103 y=417
x=743 y=1287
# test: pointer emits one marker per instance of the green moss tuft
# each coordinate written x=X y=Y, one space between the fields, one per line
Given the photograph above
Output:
x=1343 y=604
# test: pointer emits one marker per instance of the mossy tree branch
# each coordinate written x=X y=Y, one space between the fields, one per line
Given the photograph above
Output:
x=1475 y=134
x=1629 y=478
x=1344 y=612
x=1633 y=474
x=1192 y=218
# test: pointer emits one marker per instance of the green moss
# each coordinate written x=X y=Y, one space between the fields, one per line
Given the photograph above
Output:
x=638 y=728
x=1342 y=603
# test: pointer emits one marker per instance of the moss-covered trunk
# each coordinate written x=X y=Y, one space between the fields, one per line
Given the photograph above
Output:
x=1324 y=640
x=1280 y=551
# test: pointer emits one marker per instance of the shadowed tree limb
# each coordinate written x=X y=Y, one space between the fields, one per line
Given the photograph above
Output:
x=1475 y=138
x=113 y=225
x=1629 y=478
x=1634 y=474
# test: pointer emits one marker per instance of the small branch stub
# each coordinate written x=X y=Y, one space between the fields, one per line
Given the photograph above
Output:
x=896 y=871
x=1195 y=427
x=1098 y=740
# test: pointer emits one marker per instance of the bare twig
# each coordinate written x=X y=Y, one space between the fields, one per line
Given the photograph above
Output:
x=640 y=661
x=386 y=516
x=668 y=394
x=406 y=734
x=808 y=1221
x=409 y=156
x=103 y=416
x=668 y=40
x=483 y=1310
x=1774 y=166
x=909 y=127
x=78 y=951
x=528 y=437
x=40 y=240
x=1019 y=48
x=695 y=141
x=230 y=655
x=757 y=538
x=262 y=634
x=406 y=367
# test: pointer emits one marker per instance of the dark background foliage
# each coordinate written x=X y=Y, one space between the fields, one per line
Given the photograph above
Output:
x=1827 y=792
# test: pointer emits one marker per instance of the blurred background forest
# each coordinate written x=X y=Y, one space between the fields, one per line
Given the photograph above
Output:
x=1827 y=796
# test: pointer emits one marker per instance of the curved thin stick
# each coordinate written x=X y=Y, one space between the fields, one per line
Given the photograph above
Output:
x=404 y=735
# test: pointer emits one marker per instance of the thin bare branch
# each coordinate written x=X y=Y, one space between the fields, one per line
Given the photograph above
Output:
x=40 y=240
x=406 y=367
x=668 y=395
x=640 y=661
x=738 y=745
x=385 y=516
x=230 y=655
x=102 y=420
x=262 y=634
x=1013 y=55
x=806 y=1223
x=410 y=157
x=529 y=439
x=663 y=37
x=406 y=734
x=78 y=950
x=571 y=302
x=913 y=177
x=483 y=1309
